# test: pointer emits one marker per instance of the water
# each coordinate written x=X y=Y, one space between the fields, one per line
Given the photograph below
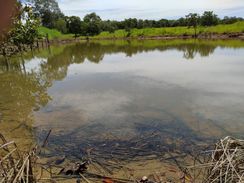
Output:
x=110 y=95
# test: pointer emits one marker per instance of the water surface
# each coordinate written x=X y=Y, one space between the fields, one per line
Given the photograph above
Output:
x=173 y=95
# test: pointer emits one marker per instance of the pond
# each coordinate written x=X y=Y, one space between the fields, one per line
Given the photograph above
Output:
x=126 y=100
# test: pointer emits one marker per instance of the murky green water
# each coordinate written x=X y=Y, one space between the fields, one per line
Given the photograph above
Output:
x=113 y=94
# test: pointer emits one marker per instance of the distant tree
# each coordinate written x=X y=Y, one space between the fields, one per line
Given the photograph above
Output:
x=41 y=6
x=140 y=24
x=92 y=17
x=130 y=23
x=164 y=23
x=181 y=22
x=74 y=25
x=192 y=20
x=147 y=23
x=109 y=26
x=230 y=20
x=61 y=25
x=93 y=24
x=209 y=18
x=48 y=11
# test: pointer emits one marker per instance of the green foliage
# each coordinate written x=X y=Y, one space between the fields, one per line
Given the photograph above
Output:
x=48 y=11
x=209 y=18
x=109 y=26
x=24 y=31
x=237 y=27
x=22 y=34
x=61 y=25
x=130 y=23
x=92 y=18
x=192 y=20
x=53 y=33
x=230 y=20
x=40 y=6
x=74 y=25
x=93 y=24
x=174 y=31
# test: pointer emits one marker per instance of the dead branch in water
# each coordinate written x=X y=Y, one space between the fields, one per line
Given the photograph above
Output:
x=46 y=139
x=15 y=168
x=226 y=162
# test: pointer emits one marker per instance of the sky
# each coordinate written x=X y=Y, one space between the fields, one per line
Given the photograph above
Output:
x=150 y=9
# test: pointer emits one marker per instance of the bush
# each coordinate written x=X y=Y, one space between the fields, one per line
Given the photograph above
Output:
x=61 y=26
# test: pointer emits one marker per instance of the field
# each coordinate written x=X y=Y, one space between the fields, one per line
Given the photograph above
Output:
x=53 y=33
x=174 y=31
x=153 y=32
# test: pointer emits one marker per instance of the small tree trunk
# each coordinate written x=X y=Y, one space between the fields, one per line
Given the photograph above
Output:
x=23 y=63
x=7 y=63
x=195 y=28
x=47 y=40
x=37 y=44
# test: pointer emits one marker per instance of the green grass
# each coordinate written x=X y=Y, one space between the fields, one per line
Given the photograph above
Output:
x=174 y=31
x=220 y=29
x=53 y=33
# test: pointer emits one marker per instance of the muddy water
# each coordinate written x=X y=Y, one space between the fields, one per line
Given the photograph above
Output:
x=132 y=99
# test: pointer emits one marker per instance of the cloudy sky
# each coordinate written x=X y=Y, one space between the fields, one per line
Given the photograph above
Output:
x=150 y=9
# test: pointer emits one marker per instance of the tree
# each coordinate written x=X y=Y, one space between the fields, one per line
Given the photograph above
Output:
x=74 y=25
x=231 y=20
x=181 y=21
x=192 y=20
x=209 y=18
x=22 y=34
x=60 y=25
x=163 y=23
x=130 y=23
x=109 y=26
x=140 y=24
x=93 y=24
x=48 y=11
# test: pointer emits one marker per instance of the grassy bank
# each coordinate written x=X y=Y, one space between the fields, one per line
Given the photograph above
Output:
x=54 y=34
x=152 y=32
x=174 y=31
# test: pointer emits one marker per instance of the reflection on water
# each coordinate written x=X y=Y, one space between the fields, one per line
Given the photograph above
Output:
x=110 y=94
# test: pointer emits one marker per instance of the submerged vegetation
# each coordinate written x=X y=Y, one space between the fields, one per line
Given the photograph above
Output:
x=157 y=135
x=156 y=144
x=98 y=163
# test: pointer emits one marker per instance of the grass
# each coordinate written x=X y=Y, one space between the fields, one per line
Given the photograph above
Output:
x=53 y=33
x=151 y=32
x=220 y=29
x=174 y=31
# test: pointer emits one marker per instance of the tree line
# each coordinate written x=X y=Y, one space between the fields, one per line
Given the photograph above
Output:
x=52 y=17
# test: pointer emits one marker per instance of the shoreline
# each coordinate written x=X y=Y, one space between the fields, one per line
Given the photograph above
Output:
x=227 y=36
x=212 y=36
x=44 y=43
